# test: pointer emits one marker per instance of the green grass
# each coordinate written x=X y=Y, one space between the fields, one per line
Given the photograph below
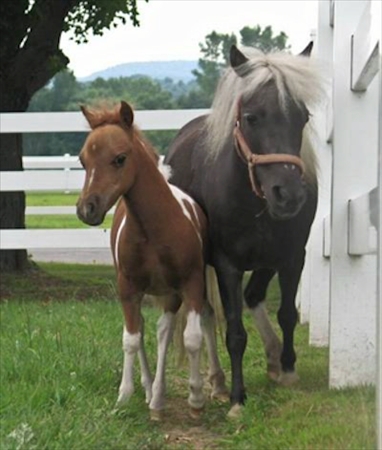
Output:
x=51 y=198
x=61 y=363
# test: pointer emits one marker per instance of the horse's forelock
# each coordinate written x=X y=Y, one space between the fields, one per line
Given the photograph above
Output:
x=296 y=77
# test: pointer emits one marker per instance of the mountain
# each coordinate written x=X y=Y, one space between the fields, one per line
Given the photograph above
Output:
x=176 y=70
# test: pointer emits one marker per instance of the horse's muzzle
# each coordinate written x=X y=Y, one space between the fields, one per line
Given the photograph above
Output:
x=284 y=203
x=89 y=210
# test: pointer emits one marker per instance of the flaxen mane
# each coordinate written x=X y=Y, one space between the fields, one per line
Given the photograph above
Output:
x=297 y=77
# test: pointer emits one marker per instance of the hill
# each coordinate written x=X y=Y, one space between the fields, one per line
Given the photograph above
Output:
x=176 y=70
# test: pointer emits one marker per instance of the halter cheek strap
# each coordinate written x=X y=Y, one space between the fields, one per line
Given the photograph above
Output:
x=254 y=159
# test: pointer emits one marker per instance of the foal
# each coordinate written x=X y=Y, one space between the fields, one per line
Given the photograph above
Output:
x=158 y=238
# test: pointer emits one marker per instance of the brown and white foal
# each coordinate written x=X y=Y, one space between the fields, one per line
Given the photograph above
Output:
x=158 y=238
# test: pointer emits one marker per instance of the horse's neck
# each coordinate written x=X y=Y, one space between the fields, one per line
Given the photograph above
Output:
x=150 y=199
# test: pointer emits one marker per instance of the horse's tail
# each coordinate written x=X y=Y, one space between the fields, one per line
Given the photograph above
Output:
x=214 y=308
x=213 y=297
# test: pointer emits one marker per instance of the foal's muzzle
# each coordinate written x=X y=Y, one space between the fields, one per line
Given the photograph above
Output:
x=89 y=210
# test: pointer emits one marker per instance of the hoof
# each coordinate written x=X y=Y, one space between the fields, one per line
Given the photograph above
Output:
x=288 y=378
x=149 y=396
x=156 y=415
x=222 y=396
x=122 y=400
x=196 y=413
x=272 y=375
x=235 y=412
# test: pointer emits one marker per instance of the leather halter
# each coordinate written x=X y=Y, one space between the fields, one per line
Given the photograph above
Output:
x=254 y=159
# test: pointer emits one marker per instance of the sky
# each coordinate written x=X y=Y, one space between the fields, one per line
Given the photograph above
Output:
x=172 y=30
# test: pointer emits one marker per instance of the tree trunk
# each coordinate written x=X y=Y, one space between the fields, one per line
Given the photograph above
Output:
x=26 y=67
x=12 y=204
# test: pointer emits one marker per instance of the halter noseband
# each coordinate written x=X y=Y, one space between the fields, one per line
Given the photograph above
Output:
x=254 y=159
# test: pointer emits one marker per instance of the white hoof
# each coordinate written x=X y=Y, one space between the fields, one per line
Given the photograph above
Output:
x=156 y=415
x=123 y=398
x=236 y=411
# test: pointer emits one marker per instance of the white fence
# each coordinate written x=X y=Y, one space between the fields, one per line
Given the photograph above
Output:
x=341 y=284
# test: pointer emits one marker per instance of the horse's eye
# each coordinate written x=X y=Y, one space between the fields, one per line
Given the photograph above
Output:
x=251 y=119
x=119 y=160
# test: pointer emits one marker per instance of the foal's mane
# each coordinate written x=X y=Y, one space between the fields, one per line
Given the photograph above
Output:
x=106 y=115
x=297 y=77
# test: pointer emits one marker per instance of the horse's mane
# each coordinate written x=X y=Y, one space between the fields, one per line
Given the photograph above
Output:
x=297 y=77
x=104 y=114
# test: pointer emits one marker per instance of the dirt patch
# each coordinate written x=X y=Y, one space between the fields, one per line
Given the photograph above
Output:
x=183 y=431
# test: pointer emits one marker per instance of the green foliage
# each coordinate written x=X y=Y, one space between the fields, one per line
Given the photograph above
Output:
x=215 y=51
x=263 y=39
x=67 y=94
x=98 y=15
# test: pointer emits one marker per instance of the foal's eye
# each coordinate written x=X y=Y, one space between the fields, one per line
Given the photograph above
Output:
x=119 y=160
x=251 y=119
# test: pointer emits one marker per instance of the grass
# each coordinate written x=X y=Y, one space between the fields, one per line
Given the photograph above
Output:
x=61 y=363
x=56 y=221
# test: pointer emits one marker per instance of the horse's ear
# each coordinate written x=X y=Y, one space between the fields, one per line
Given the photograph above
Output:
x=307 y=50
x=126 y=114
x=89 y=115
x=236 y=58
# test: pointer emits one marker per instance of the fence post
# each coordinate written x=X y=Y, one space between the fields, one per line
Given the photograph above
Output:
x=353 y=296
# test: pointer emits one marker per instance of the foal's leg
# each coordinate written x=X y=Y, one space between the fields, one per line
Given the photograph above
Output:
x=254 y=294
x=165 y=331
x=230 y=281
x=131 y=343
x=215 y=372
x=146 y=378
x=193 y=296
x=287 y=315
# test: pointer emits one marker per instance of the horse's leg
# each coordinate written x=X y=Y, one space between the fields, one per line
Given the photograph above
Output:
x=131 y=343
x=254 y=294
x=193 y=296
x=289 y=277
x=230 y=282
x=215 y=373
x=165 y=331
x=146 y=378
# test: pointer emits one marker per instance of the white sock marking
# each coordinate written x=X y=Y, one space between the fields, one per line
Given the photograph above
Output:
x=193 y=342
x=165 y=330
x=131 y=344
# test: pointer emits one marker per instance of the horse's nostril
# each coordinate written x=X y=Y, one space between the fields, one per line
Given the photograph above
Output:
x=91 y=207
x=280 y=194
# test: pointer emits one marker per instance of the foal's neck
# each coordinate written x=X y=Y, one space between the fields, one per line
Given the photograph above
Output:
x=150 y=199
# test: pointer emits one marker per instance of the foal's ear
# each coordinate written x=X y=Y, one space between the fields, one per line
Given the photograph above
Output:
x=89 y=115
x=236 y=59
x=126 y=114
x=307 y=50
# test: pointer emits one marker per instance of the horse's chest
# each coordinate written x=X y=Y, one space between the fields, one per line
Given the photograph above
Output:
x=150 y=270
x=248 y=244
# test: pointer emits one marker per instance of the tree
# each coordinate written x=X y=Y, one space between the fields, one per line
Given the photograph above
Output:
x=30 y=54
x=215 y=51
x=263 y=39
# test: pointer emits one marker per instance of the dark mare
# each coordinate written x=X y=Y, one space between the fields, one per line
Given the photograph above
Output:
x=251 y=167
